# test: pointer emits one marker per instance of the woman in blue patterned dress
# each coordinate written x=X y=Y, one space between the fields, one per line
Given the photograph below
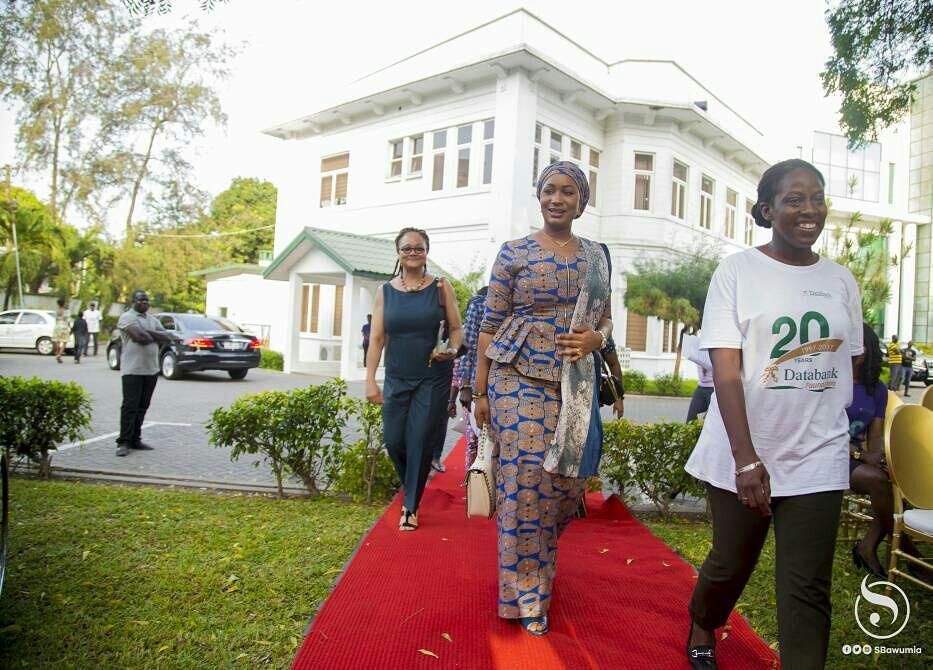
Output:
x=547 y=314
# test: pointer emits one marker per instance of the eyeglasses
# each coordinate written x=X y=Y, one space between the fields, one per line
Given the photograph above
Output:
x=412 y=251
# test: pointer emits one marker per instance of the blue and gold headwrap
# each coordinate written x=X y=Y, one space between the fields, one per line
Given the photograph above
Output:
x=572 y=171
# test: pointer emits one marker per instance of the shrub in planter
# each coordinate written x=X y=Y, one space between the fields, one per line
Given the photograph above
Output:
x=300 y=432
x=364 y=470
x=271 y=360
x=650 y=457
x=36 y=415
x=668 y=385
x=634 y=381
x=248 y=427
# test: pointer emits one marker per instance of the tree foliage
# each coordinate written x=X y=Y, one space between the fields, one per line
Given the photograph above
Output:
x=147 y=7
x=877 y=45
x=247 y=205
x=865 y=253
x=672 y=288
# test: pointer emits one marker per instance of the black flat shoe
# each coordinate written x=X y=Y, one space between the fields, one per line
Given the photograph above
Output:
x=862 y=564
x=701 y=656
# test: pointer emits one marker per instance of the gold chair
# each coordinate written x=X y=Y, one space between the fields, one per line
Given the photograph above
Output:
x=926 y=398
x=909 y=453
x=856 y=508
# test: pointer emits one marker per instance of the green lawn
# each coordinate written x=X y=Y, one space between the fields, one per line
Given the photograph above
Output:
x=693 y=540
x=118 y=577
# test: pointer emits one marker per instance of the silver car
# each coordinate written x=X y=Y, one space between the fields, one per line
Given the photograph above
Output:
x=29 y=329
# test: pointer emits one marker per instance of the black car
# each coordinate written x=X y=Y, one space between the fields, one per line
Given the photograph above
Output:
x=202 y=343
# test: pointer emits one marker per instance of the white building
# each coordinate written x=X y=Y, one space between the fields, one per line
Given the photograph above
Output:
x=450 y=140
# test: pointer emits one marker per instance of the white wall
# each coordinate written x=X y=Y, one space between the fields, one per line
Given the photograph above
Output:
x=251 y=301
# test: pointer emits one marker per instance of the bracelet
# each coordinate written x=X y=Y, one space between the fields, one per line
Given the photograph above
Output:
x=479 y=395
x=747 y=468
x=604 y=338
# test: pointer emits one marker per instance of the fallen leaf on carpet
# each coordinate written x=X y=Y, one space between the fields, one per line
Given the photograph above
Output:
x=447 y=637
x=628 y=561
x=428 y=652
x=724 y=635
x=603 y=551
x=665 y=564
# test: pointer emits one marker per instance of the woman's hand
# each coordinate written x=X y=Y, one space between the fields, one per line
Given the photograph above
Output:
x=373 y=393
x=619 y=407
x=579 y=342
x=875 y=458
x=481 y=412
x=753 y=489
x=466 y=397
x=445 y=356
x=452 y=409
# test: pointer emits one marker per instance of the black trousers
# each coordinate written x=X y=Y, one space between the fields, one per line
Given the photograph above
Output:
x=137 y=393
x=80 y=347
x=411 y=414
x=805 y=542
x=91 y=337
x=699 y=403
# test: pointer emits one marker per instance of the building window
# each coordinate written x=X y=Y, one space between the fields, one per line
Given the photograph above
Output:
x=335 y=172
x=854 y=174
x=464 y=138
x=729 y=221
x=489 y=132
x=310 y=307
x=679 y=190
x=644 y=170
x=338 y=312
x=749 y=223
x=439 y=144
x=396 y=150
x=636 y=331
x=557 y=142
x=594 y=174
x=536 y=159
x=576 y=151
x=706 y=202
x=417 y=150
x=669 y=338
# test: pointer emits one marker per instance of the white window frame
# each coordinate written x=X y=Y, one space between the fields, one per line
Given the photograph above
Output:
x=442 y=152
x=594 y=173
x=648 y=175
x=413 y=172
x=461 y=148
x=332 y=175
x=729 y=217
x=537 y=153
x=488 y=151
x=396 y=159
x=679 y=190
x=706 y=202
x=749 y=223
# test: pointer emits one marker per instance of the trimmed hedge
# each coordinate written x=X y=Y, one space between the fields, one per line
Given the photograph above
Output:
x=271 y=360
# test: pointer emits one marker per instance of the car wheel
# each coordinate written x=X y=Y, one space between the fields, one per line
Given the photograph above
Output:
x=113 y=358
x=170 y=368
x=45 y=346
x=239 y=373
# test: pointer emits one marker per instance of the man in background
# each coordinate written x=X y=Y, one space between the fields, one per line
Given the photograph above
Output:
x=366 y=329
x=699 y=403
x=908 y=355
x=141 y=334
x=894 y=364
x=92 y=317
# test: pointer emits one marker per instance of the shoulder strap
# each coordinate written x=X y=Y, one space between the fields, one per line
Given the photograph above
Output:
x=440 y=290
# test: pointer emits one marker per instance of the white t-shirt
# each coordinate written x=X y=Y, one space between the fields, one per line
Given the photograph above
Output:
x=92 y=317
x=797 y=327
x=690 y=347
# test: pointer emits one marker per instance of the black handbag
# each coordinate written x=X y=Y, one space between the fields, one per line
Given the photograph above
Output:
x=610 y=386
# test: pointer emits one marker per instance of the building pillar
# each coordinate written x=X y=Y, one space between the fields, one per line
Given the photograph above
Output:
x=350 y=327
x=516 y=112
x=292 y=324
x=908 y=281
x=892 y=311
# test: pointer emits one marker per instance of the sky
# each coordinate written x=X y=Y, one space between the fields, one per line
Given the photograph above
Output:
x=761 y=57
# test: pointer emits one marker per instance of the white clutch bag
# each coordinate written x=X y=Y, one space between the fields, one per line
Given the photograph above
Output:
x=442 y=344
x=481 y=479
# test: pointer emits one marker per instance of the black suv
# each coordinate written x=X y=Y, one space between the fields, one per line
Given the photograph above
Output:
x=202 y=343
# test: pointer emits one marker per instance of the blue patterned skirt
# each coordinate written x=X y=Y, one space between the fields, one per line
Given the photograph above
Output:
x=534 y=507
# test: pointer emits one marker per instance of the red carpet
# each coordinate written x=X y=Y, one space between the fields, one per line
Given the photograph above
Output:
x=620 y=598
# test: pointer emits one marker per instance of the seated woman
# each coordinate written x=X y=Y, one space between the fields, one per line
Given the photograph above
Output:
x=867 y=471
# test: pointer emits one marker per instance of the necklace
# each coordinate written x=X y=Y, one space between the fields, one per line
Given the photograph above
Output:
x=409 y=289
x=560 y=245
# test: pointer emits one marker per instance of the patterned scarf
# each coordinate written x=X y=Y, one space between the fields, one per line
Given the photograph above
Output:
x=578 y=380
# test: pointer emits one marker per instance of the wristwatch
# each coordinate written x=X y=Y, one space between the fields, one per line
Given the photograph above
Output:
x=857 y=455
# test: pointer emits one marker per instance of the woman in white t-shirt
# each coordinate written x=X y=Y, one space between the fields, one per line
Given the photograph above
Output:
x=782 y=326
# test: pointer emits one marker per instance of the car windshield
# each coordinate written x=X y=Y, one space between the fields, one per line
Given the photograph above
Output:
x=197 y=322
